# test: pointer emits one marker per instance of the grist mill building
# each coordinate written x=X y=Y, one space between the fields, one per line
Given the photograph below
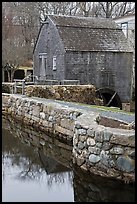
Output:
x=91 y=50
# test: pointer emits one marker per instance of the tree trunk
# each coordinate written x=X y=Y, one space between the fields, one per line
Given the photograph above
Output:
x=107 y=10
x=12 y=75
x=8 y=72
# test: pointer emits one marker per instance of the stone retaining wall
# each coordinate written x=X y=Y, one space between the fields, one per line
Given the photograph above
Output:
x=105 y=151
x=49 y=117
x=73 y=93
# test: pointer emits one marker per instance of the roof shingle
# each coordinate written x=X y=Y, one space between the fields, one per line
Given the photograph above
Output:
x=90 y=34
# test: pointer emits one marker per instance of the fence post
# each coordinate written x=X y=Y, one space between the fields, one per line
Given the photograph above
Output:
x=23 y=86
x=15 y=88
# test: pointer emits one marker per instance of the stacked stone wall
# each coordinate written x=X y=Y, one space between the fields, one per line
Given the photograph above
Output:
x=105 y=151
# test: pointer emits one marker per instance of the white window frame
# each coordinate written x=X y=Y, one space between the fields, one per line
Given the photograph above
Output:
x=54 y=63
x=124 y=27
x=43 y=57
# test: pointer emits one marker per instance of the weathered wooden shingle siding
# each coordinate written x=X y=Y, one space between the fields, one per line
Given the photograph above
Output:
x=39 y=48
x=49 y=42
x=79 y=66
x=94 y=51
x=123 y=70
x=103 y=69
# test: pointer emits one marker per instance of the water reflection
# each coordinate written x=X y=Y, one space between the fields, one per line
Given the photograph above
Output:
x=27 y=169
x=97 y=189
x=36 y=167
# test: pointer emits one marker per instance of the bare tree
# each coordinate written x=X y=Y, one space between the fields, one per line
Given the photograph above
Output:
x=113 y=9
x=84 y=8
x=21 y=22
x=26 y=16
x=72 y=8
x=12 y=55
x=13 y=45
x=126 y=8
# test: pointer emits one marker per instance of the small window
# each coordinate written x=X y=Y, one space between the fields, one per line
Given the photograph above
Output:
x=54 y=63
x=42 y=62
x=45 y=63
x=124 y=27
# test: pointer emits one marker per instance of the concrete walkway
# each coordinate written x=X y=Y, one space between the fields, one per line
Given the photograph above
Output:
x=124 y=117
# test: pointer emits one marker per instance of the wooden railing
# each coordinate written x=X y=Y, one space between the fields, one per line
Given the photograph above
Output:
x=19 y=83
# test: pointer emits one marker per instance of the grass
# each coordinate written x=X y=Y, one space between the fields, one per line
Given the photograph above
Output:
x=113 y=109
x=102 y=108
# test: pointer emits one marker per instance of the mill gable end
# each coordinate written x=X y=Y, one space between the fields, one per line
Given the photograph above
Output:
x=91 y=50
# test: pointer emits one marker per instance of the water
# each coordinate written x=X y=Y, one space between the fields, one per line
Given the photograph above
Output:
x=38 y=171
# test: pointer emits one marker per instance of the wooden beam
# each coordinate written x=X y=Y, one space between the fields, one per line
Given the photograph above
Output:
x=111 y=99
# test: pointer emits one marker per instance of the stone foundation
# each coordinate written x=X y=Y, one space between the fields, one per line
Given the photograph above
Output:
x=73 y=93
x=105 y=151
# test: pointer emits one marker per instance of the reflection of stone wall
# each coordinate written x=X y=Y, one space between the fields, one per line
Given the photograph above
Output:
x=38 y=154
x=91 y=188
x=109 y=152
x=47 y=146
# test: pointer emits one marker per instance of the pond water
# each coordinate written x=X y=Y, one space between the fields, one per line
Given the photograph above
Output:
x=39 y=168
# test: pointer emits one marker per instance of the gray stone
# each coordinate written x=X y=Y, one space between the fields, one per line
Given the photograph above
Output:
x=17 y=103
x=81 y=145
x=75 y=140
x=36 y=110
x=78 y=150
x=90 y=141
x=76 y=132
x=99 y=136
x=106 y=146
x=123 y=139
x=107 y=135
x=94 y=150
x=99 y=144
x=124 y=163
x=85 y=153
x=91 y=150
x=34 y=118
x=77 y=125
x=81 y=131
x=80 y=161
x=67 y=123
x=116 y=150
x=50 y=119
x=106 y=159
x=91 y=133
x=94 y=158
x=131 y=154
x=42 y=115
x=82 y=138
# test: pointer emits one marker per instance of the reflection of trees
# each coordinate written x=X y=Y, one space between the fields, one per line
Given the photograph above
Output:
x=20 y=155
x=31 y=171
x=26 y=157
x=54 y=168
x=59 y=178
x=36 y=161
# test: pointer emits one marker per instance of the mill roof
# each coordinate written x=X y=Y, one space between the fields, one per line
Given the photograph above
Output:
x=90 y=34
